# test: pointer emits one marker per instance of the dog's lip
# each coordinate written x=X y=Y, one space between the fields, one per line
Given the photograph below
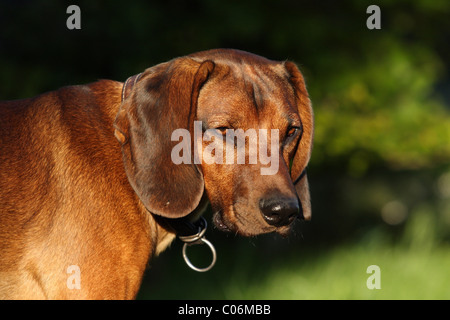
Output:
x=219 y=223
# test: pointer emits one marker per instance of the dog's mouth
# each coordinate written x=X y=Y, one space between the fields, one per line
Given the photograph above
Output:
x=221 y=224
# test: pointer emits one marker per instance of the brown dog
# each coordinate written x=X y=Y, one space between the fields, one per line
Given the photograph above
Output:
x=74 y=199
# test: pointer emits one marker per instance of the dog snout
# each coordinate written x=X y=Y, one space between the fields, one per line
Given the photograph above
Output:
x=280 y=211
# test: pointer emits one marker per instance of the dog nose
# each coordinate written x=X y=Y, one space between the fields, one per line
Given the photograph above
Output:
x=280 y=211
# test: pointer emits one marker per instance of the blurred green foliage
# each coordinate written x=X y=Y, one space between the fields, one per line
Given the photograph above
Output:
x=380 y=171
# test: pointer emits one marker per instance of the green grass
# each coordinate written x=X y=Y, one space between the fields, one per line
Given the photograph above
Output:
x=407 y=272
x=341 y=274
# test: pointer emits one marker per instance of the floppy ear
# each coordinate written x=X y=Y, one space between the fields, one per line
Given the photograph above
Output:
x=304 y=147
x=164 y=99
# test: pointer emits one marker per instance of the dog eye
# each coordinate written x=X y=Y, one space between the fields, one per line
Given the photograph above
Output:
x=292 y=131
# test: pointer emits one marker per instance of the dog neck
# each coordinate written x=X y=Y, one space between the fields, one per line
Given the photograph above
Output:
x=187 y=225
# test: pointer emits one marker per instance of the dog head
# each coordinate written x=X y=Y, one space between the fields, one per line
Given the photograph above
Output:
x=230 y=123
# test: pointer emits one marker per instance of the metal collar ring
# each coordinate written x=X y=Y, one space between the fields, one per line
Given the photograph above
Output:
x=200 y=241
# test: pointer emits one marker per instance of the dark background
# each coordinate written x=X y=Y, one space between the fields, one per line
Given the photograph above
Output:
x=379 y=175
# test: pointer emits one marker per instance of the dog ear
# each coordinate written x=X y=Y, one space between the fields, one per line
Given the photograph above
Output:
x=304 y=147
x=163 y=100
